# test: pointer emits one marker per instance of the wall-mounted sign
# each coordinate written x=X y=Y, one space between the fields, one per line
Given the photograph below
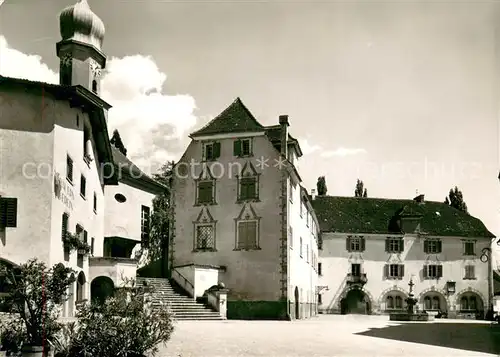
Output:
x=63 y=191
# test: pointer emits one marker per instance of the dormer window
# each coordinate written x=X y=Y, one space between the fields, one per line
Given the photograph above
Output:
x=211 y=151
x=242 y=147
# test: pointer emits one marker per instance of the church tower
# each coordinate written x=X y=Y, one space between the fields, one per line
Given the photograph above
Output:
x=81 y=57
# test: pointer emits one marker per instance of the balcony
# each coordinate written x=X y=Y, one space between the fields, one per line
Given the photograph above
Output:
x=356 y=279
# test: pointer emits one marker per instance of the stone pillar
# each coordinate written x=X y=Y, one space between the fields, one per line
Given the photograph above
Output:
x=221 y=295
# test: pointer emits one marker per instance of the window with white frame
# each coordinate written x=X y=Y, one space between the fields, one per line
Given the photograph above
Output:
x=469 y=247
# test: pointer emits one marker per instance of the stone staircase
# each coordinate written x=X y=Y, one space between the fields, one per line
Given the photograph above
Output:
x=182 y=306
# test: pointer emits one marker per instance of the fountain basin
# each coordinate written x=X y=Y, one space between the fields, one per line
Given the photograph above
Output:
x=405 y=316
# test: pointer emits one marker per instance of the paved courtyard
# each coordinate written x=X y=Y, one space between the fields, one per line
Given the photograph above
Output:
x=333 y=335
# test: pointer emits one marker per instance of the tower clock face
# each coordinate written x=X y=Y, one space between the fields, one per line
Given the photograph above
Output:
x=66 y=60
x=95 y=68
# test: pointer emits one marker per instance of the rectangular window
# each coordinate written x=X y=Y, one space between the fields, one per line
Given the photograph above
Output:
x=83 y=186
x=301 y=208
x=319 y=299
x=432 y=246
x=205 y=237
x=395 y=271
x=8 y=212
x=64 y=228
x=307 y=253
x=433 y=271
x=247 y=235
x=300 y=242
x=290 y=192
x=79 y=232
x=211 y=151
x=69 y=169
x=394 y=245
x=320 y=269
x=145 y=224
x=356 y=269
x=92 y=243
x=469 y=247
x=86 y=142
x=205 y=192
x=290 y=234
x=248 y=188
x=95 y=203
x=470 y=273
x=355 y=244
x=242 y=147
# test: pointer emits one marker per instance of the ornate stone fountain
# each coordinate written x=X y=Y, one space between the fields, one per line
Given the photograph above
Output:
x=410 y=314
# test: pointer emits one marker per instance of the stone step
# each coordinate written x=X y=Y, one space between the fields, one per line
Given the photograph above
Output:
x=198 y=318
x=196 y=314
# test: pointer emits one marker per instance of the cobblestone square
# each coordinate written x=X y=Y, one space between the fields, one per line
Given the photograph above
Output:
x=333 y=335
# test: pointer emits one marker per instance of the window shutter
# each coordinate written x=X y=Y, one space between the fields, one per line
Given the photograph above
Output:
x=387 y=245
x=348 y=244
x=472 y=271
x=386 y=271
x=362 y=243
x=8 y=208
x=426 y=246
x=439 y=271
x=241 y=235
x=85 y=235
x=252 y=234
x=401 y=245
x=424 y=271
x=64 y=229
x=203 y=157
x=439 y=246
x=401 y=271
x=237 y=148
x=216 y=150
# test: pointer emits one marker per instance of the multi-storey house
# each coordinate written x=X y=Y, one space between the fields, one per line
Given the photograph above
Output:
x=372 y=248
x=55 y=161
x=242 y=218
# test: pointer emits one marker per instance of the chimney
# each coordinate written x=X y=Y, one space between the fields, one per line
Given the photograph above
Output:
x=313 y=193
x=284 y=135
x=419 y=199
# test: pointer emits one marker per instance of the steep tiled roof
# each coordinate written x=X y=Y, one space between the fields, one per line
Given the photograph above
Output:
x=376 y=215
x=127 y=169
x=234 y=119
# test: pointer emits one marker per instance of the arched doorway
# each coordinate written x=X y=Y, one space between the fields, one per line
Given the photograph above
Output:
x=101 y=288
x=355 y=302
x=80 y=287
x=297 y=303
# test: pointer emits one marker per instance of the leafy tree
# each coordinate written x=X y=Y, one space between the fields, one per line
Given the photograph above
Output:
x=35 y=294
x=456 y=200
x=116 y=140
x=447 y=201
x=321 y=186
x=156 y=248
x=360 y=191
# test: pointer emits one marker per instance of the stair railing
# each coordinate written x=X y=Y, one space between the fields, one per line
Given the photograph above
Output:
x=183 y=282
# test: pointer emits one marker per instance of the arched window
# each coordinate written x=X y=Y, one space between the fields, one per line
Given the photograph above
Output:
x=94 y=86
x=464 y=303
x=390 y=302
x=427 y=303
x=399 y=302
x=435 y=303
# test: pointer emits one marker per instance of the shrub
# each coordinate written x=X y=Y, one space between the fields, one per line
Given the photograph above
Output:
x=35 y=294
x=124 y=325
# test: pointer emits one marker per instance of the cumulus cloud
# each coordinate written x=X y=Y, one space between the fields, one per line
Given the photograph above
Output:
x=152 y=124
x=308 y=148
x=343 y=152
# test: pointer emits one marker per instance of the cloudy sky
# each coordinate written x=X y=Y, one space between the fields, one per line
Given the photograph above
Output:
x=403 y=95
